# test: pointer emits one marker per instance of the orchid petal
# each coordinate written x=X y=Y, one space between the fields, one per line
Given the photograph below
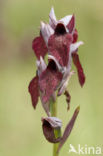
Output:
x=78 y=65
x=34 y=91
x=66 y=19
x=39 y=47
x=75 y=46
x=75 y=36
x=41 y=65
x=46 y=31
x=52 y=18
x=71 y=24
x=64 y=82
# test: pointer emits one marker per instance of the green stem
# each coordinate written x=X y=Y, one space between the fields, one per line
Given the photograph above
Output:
x=53 y=108
x=55 y=147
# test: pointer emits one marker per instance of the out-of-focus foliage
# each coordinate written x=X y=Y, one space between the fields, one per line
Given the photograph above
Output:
x=20 y=125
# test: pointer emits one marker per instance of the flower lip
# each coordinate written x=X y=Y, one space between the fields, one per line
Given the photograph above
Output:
x=60 y=29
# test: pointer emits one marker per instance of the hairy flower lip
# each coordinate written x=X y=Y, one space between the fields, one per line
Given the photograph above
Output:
x=59 y=47
x=49 y=81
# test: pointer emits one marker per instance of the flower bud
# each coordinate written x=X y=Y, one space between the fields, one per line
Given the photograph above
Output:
x=52 y=129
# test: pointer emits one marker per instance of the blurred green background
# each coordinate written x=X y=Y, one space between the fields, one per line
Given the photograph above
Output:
x=20 y=125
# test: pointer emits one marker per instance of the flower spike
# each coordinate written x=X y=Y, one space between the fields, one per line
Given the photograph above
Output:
x=58 y=42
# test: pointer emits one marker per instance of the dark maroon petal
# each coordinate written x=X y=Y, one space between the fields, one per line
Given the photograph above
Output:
x=34 y=91
x=49 y=81
x=59 y=47
x=71 y=24
x=68 y=128
x=49 y=127
x=75 y=36
x=78 y=65
x=39 y=47
x=68 y=98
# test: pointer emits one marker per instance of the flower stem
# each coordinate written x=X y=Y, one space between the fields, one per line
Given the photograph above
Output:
x=55 y=147
x=53 y=108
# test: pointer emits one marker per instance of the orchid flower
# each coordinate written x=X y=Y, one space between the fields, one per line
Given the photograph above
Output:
x=45 y=83
x=52 y=129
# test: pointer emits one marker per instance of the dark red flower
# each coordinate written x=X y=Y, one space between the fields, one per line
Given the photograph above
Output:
x=46 y=82
x=49 y=81
x=52 y=129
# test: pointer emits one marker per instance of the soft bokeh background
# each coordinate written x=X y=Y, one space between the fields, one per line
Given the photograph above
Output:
x=20 y=125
